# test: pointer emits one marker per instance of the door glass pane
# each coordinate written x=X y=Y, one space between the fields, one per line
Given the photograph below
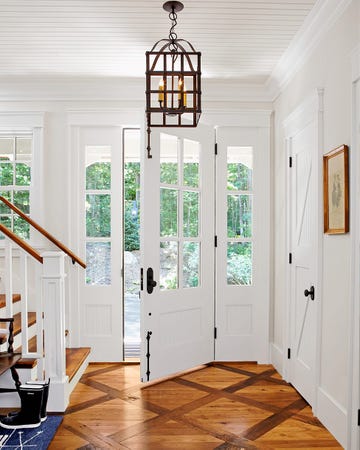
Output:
x=191 y=264
x=6 y=174
x=98 y=260
x=239 y=216
x=23 y=148
x=21 y=227
x=22 y=201
x=6 y=221
x=7 y=149
x=190 y=214
x=191 y=163
x=22 y=174
x=98 y=215
x=98 y=167
x=3 y=208
x=239 y=168
x=168 y=159
x=239 y=263
x=168 y=212
x=169 y=265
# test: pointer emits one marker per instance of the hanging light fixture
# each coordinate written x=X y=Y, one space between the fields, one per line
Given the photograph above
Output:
x=173 y=80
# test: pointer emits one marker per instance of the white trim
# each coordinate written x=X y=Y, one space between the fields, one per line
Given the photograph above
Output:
x=332 y=415
x=320 y=20
x=277 y=357
x=353 y=435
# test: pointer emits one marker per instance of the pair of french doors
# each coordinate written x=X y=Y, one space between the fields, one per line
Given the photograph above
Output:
x=205 y=248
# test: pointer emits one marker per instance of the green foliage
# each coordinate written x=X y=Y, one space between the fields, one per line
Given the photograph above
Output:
x=11 y=176
x=132 y=226
x=239 y=177
x=98 y=176
x=98 y=215
x=239 y=263
x=131 y=180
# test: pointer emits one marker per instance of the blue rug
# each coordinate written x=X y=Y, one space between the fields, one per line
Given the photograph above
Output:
x=30 y=438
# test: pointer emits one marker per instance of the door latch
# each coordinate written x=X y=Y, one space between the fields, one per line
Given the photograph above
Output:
x=150 y=282
x=310 y=292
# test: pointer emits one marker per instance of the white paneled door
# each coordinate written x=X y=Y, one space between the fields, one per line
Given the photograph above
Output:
x=205 y=290
x=242 y=254
x=303 y=246
x=100 y=235
x=177 y=301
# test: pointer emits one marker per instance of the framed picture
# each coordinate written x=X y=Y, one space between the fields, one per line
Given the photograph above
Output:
x=336 y=191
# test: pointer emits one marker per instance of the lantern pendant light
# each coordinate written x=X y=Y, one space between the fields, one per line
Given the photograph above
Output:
x=173 y=80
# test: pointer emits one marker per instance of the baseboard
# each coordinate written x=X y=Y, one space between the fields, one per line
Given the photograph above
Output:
x=277 y=358
x=332 y=415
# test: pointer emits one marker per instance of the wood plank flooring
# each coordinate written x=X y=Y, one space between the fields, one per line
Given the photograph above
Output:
x=223 y=406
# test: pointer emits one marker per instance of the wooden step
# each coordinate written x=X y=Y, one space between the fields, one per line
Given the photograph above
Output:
x=74 y=358
x=16 y=298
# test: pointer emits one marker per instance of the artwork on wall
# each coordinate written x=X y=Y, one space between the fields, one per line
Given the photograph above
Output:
x=336 y=191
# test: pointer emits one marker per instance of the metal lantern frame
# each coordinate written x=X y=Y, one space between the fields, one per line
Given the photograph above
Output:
x=173 y=80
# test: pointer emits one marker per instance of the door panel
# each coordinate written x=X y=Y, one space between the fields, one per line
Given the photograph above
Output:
x=242 y=254
x=100 y=287
x=177 y=238
x=303 y=246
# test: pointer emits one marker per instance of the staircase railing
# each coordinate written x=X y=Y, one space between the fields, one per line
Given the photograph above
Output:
x=45 y=233
x=47 y=299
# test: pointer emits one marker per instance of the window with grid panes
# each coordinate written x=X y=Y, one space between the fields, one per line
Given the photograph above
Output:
x=15 y=180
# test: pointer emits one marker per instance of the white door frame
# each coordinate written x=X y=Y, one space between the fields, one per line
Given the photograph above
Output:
x=76 y=119
x=311 y=110
x=353 y=432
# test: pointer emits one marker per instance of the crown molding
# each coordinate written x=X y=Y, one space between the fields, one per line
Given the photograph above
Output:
x=321 y=18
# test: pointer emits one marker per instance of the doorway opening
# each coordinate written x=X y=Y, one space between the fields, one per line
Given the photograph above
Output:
x=131 y=252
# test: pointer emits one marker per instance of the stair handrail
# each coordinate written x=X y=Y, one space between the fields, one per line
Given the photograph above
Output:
x=21 y=243
x=45 y=233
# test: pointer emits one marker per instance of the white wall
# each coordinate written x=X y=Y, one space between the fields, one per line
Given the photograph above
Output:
x=328 y=67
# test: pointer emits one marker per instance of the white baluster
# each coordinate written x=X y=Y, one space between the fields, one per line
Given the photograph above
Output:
x=8 y=273
x=24 y=304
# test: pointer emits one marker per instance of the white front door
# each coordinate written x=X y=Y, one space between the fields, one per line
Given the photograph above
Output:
x=242 y=254
x=177 y=314
x=100 y=235
x=304 y=257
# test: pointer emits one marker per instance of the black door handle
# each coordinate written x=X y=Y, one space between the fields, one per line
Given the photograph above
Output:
x=310 y=292
x=150 y=282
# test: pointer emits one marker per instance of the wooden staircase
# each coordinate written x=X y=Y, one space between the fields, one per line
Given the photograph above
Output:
x=76 y=358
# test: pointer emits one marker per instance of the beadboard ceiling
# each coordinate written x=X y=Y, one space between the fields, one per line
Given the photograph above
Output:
x=239 y=39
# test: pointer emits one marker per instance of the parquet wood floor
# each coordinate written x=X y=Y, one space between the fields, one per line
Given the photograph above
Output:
x=222 y=406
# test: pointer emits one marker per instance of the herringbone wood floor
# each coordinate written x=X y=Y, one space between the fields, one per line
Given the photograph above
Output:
x=221 y=406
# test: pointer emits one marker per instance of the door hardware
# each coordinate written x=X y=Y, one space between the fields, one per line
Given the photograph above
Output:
x=150 y=282
x=310 y=292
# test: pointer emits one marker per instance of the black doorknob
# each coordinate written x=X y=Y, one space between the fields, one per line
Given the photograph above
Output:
x=310 y=292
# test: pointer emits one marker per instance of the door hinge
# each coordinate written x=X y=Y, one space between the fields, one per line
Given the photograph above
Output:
x=215 y=241
x=141 y=279
x=359 y=417
x=290 y=161
x=216 y=151
x=290 y=258
x=289 y=353
x=215 y=333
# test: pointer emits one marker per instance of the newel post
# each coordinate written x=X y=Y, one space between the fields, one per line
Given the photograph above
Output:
x=53 y=282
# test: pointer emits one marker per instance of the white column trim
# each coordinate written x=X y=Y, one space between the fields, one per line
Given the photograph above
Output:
x=353 y=434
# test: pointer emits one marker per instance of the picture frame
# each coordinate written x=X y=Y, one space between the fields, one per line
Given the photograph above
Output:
x=336 y=190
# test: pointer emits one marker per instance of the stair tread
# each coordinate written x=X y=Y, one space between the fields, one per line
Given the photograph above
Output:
x=17 y=322
x=16 y=298
x=74 y=358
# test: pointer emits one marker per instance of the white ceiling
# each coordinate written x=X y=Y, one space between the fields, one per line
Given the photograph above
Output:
x=239 y=39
